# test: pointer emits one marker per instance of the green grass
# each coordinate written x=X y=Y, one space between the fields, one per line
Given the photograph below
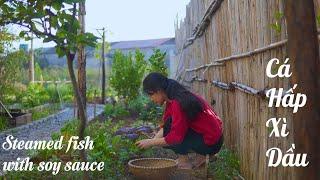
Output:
x=116 y=111
x=227 y=165
x=3 y=123
x=52 y=109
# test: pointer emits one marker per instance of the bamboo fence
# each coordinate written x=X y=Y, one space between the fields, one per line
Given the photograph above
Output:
x=223 y=49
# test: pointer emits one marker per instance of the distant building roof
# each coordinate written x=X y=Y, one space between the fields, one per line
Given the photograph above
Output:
x=149 y=43
x=142 y=43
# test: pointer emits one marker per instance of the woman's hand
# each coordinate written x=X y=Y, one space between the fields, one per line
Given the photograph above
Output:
x=145 y=143
x=159 y=134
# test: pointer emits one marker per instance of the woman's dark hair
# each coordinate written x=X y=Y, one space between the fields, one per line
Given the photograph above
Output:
x=190 y=104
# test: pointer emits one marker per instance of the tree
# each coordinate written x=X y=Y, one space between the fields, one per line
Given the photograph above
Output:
x=6 y=40
x=157 y=62
x=11 y=64
x=52 y=21
x=303 y=51
x=82 y=57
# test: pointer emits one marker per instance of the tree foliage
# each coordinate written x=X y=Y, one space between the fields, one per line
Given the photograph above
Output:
x=6 y=40
x=97 y=53
x=127 y=73
x=10 y=68
x=53 y=21
x=11 y=64
x=50 y=20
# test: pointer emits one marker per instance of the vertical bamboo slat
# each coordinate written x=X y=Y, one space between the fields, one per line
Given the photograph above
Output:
x=239 y=26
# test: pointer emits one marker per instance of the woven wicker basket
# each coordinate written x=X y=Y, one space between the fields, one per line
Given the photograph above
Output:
x=152 y=168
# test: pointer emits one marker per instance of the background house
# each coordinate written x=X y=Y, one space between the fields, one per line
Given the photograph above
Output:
x=146 y=46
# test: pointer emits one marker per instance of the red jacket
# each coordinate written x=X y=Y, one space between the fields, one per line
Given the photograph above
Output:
x=206 y=123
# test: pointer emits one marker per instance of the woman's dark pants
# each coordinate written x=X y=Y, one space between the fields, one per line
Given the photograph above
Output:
x=193 y=141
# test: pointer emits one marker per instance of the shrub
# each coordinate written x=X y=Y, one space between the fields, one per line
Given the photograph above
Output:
x=127 y=73
x=92 y=93
x=227 y=165
x=138 y=104
x=34 y=95
x=151 y=113
x=63 y=91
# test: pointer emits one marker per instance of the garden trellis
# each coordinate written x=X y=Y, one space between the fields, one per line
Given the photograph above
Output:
x=223 y=49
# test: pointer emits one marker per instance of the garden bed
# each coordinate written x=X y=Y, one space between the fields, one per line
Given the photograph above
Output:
x=46 y=110
x=17 y=119
x=25 y=116
x=115 y=148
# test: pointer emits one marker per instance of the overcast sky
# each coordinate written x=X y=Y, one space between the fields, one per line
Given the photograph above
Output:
x=132 y=19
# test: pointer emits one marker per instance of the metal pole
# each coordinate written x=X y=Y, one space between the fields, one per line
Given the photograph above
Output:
x=103 y=95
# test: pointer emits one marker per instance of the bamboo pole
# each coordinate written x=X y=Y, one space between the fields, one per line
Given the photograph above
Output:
x=201 y=27
x=219 y=62
x=221 y=85
x=5 y=109
x=205 y=66
x=200 y=80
